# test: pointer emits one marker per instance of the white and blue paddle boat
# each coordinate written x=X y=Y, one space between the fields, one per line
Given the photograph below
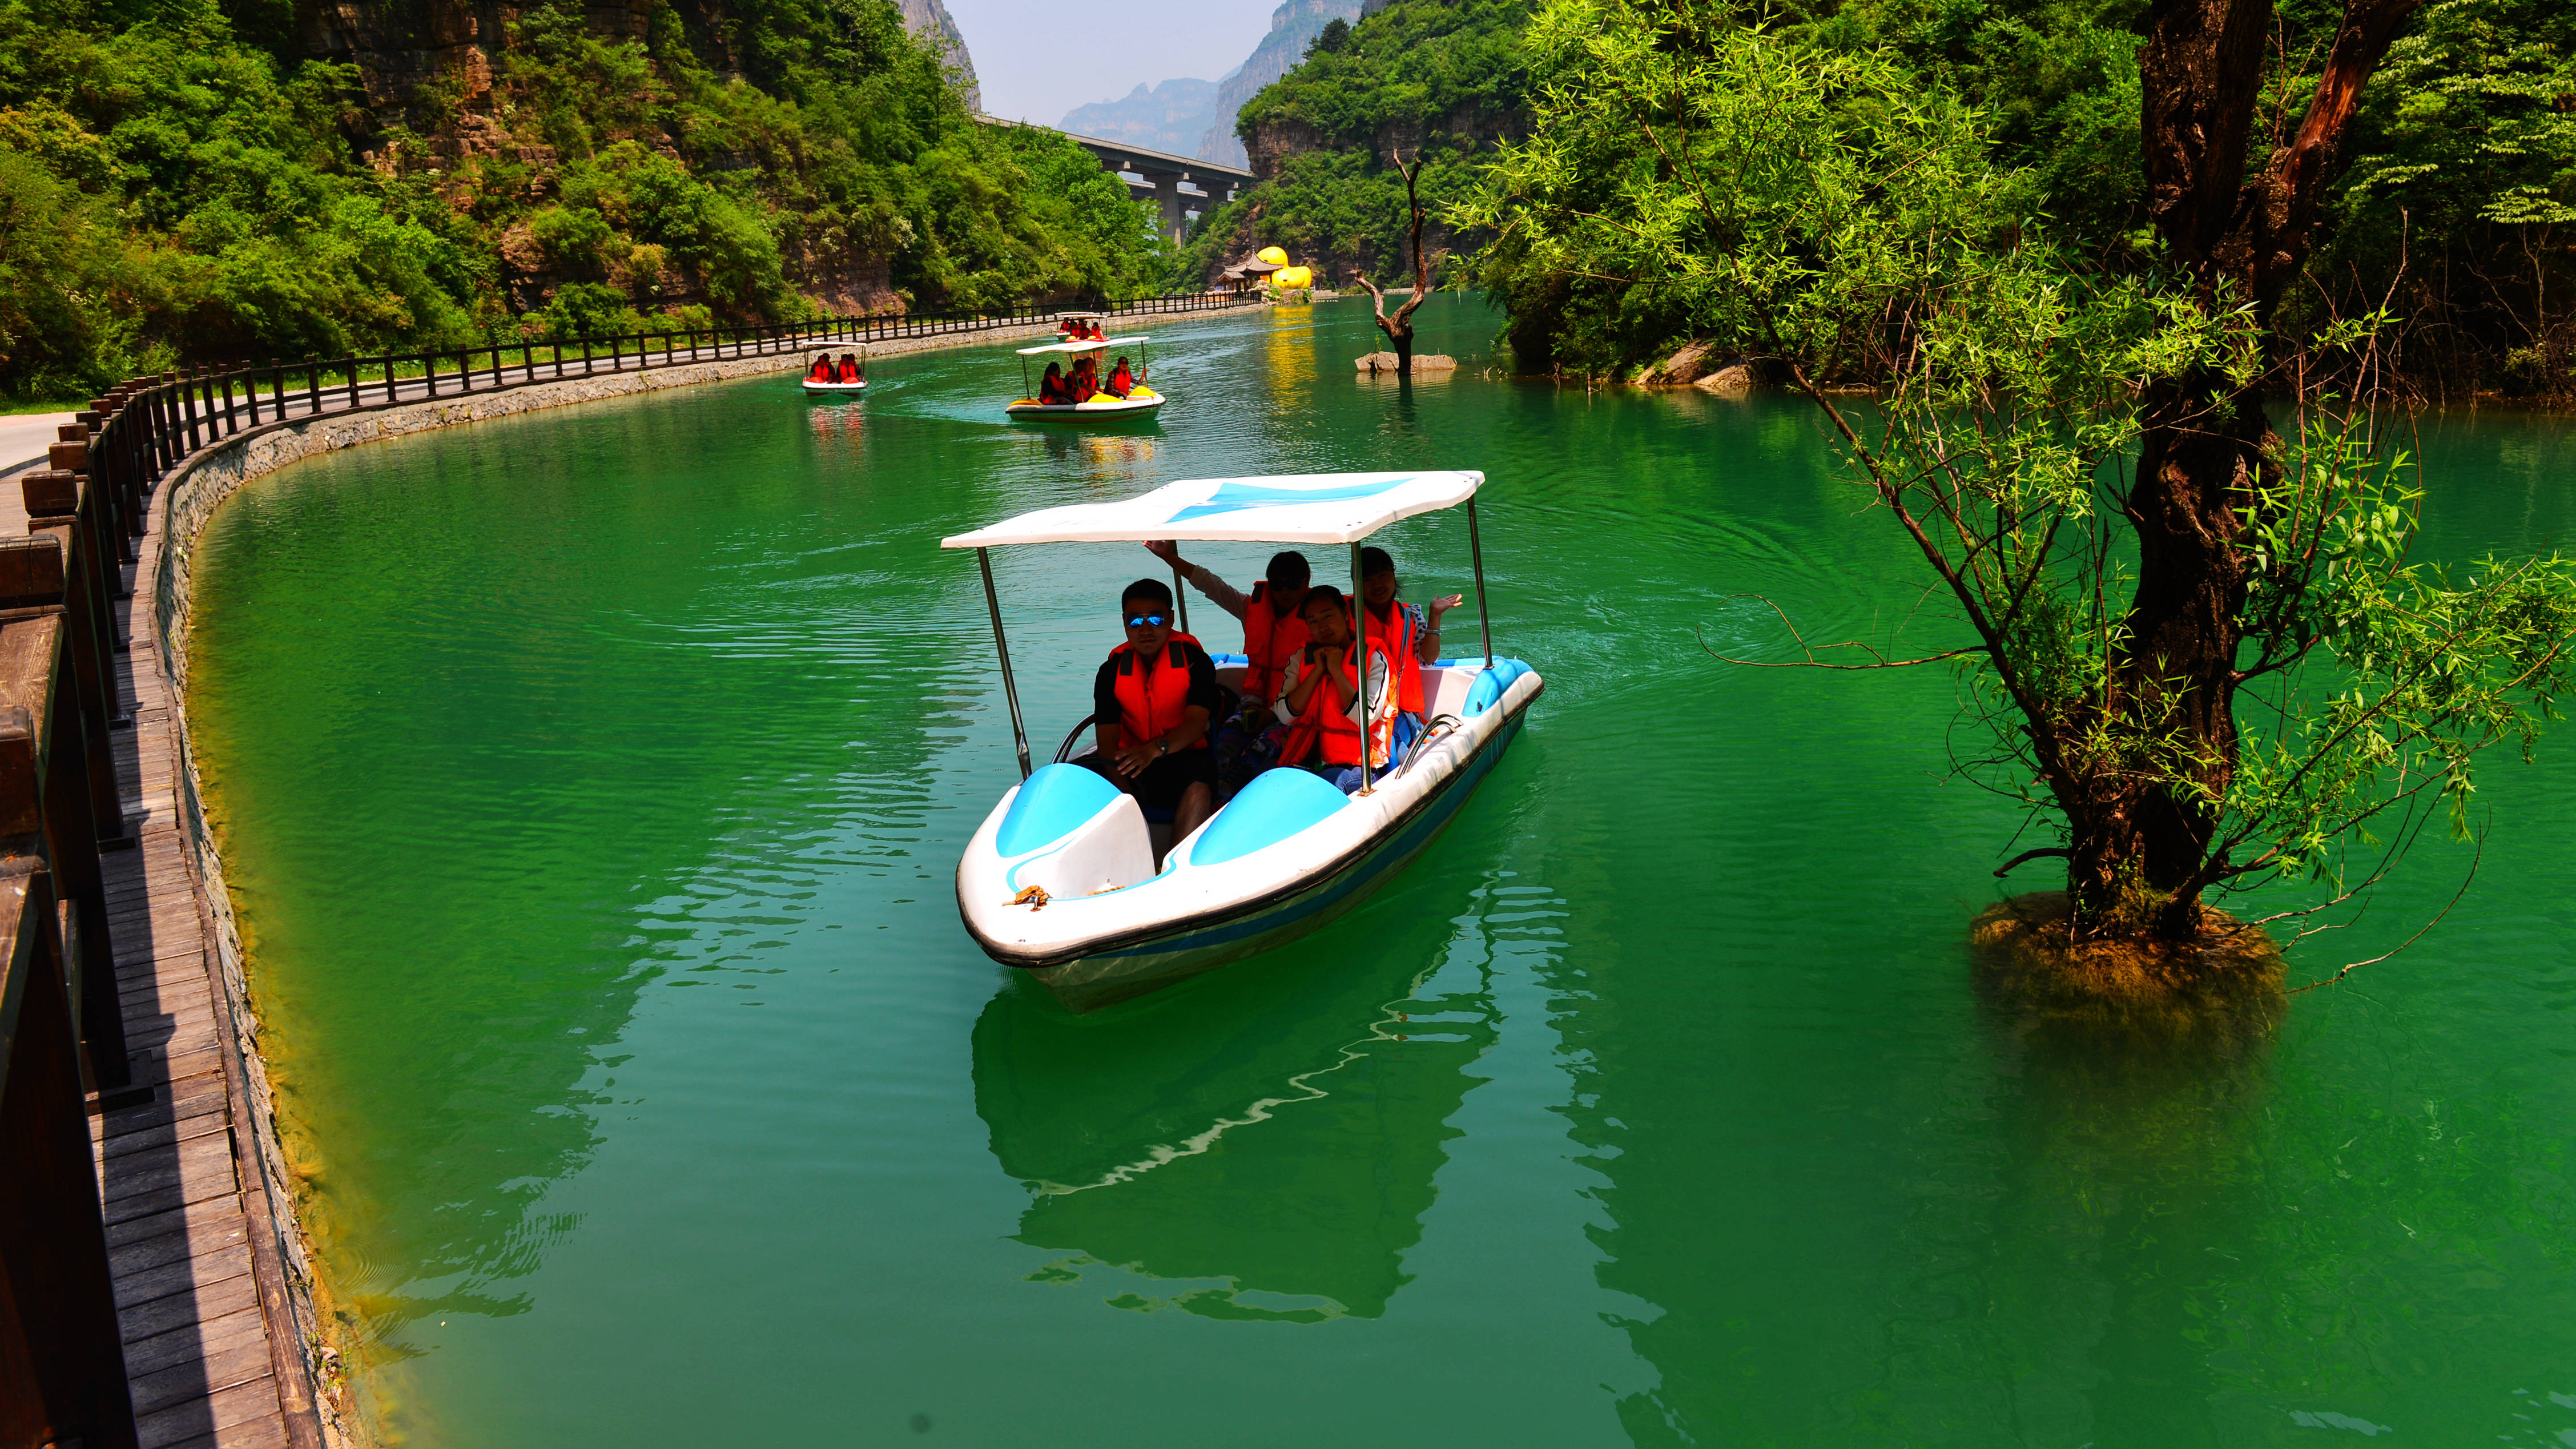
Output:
x=1061 y=879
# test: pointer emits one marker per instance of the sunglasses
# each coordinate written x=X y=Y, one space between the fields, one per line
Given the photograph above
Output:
x=1146 y=621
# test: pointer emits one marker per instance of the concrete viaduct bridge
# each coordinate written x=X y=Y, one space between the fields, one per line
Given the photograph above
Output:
x=1182 y=188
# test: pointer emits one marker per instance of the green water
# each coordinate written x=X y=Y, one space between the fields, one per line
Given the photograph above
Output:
x=592 y=782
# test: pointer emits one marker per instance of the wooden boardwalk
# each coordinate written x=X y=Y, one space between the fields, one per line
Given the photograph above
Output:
x=211 y=1355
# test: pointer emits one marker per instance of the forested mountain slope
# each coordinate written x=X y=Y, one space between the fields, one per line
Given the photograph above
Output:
x=195 y=179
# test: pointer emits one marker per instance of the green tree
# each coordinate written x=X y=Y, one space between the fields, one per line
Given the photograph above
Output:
x=2286 y=693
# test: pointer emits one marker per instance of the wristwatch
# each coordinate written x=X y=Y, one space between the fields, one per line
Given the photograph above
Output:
x=1162 y=747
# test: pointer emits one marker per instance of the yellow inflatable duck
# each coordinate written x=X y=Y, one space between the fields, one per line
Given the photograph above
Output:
x=1275 y=256
x=1293 y=277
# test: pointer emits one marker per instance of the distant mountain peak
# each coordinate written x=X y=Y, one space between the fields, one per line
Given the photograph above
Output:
x=1172 y=116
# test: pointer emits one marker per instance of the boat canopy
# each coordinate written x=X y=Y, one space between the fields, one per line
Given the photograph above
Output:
x=1279 y=508
x=1090 y=344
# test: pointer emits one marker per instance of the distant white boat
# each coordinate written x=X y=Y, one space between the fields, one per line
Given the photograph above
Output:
x=1060 y=879
x=816 y=387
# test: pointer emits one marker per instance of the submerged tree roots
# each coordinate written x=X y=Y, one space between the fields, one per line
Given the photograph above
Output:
x=2228 y=981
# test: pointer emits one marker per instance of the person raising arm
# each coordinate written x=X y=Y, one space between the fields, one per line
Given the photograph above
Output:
x=1272 y=630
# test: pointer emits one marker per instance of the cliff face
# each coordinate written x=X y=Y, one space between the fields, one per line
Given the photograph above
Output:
x=1293 y=27
x=930 y=20
x=1170 y=117
x=402 y=46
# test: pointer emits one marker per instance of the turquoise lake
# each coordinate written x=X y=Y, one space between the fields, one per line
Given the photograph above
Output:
x=591 y=785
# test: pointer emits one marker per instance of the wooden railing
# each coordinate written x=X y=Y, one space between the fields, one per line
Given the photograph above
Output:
x=209 y=403
x=62 y=1369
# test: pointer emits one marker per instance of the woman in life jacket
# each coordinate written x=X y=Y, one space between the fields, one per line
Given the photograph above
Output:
x=1051 y=386
x=1322 y=703
x=1086 y=380
x=1412 y=632
x=1121 y=381
x=850 y=369
x=822 y=369
x=1153 y=702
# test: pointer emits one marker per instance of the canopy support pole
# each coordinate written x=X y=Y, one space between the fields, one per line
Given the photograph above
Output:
x=1475 y=551
x=1359 y=616
x=1180 y=599
x=1001 y=646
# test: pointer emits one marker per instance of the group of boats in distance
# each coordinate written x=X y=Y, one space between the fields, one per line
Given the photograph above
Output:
x=1073 y=880
x=1080 y=383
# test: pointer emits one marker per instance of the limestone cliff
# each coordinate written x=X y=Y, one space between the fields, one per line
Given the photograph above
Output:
x=1293 y=27
x=930 y=19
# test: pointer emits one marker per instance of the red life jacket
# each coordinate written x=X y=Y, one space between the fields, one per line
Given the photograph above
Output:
x=1326 y=720
x=1404 y=645
x=1269 y=641
x=849 y=371
x=822 y=370
x=1151 y=701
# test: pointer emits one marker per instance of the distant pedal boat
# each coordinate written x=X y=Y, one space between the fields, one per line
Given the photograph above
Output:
x=827 y=389
x=1060 y=879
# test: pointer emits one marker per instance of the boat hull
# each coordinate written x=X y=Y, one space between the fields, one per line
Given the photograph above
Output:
x=1099 y=407
x=835 y=389
x=1106 y=977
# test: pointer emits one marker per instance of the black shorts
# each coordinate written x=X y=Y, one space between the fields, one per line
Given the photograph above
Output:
x=1159 y=787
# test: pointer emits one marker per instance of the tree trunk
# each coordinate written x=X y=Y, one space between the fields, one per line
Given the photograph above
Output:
x=1402 y=338
x=2139 y=855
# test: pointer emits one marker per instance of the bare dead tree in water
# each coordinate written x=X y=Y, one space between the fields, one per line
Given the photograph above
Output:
x=1399 y=328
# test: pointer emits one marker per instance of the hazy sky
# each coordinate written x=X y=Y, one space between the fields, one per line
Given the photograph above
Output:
x=1038 y=61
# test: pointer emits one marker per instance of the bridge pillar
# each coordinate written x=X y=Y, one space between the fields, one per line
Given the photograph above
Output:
x=1167 y=205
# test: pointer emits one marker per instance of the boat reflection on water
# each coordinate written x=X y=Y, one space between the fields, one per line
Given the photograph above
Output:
x=836 y=422
x=1263 y=1144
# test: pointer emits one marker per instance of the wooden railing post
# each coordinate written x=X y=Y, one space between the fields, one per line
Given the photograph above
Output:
x=91 y=681
x=33 y=684
x=62 y=1359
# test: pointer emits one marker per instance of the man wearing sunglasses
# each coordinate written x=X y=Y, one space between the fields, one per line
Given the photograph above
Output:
x=1152 y=702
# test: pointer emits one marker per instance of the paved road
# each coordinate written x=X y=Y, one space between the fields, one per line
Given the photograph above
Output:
x=23 y=439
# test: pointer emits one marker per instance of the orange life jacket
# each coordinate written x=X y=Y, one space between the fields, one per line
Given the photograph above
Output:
x=1327 y=720
x=1151 y=701
x=1269 y=641
x=1405 y=645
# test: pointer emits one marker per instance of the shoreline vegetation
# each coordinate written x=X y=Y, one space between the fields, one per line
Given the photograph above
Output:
x=2452 y=221
x=193 y=181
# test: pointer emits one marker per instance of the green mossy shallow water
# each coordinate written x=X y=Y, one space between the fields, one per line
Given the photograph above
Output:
x=591 y=785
